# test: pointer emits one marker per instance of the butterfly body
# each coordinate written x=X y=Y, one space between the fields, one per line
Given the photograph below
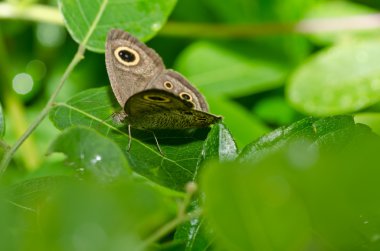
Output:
x=151 y=96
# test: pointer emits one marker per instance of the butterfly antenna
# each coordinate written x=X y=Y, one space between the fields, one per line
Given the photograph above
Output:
x=130 y=137
x=158 y=145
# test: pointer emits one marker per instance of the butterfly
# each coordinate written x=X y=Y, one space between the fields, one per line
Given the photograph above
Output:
x=152 y=97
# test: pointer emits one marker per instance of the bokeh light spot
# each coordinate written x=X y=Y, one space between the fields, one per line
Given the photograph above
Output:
x=22 y=83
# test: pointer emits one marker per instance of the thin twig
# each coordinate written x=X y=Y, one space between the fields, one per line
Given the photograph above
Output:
x=182 y=216
x=168 y=227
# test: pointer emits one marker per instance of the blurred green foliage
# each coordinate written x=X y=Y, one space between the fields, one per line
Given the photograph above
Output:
x=297 y=183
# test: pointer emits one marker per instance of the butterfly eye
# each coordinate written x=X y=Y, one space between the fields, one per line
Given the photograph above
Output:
x=185 y=96
x=156 y=98
x=168 y=85
x=127 y=56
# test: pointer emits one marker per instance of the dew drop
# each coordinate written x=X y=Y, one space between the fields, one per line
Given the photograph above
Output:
x=96 y=159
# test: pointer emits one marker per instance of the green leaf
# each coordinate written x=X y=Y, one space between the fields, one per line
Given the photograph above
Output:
x=341 y=79
x=235 y=115
x=91 y=153
x=2 y=123
x=275 y=110
x=220 y=145
x=195 y=234
x=270 y=142
x=142 y=18
x=182 y=149
x=371 y=119
x=32 y=193
x=340 y=9
x=219 y=71
x=81 y=215
x=281 y=203
x=326 y=133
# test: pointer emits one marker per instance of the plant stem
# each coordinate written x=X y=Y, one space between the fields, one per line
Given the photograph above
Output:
x=31 y=12
x=182 y=216
x=79 y=55
x=4 y=145
x=168 y=227
x=43 y=13
x=306 y=26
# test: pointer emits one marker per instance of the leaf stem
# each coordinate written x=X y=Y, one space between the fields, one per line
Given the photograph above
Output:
x=4 y=145
x=168 y=227
x=79 y=55
x=182 y=216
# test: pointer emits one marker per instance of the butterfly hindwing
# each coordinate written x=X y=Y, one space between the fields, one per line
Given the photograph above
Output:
x=159 y=109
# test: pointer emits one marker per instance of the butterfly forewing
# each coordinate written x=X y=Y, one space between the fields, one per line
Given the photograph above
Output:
x=131 y=65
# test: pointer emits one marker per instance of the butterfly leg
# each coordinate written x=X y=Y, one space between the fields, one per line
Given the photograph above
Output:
x=158 y=145
x=130 y=137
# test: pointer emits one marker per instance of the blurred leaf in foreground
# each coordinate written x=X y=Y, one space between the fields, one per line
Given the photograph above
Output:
x=142 y=18
x=86 y=216
x=317 y=193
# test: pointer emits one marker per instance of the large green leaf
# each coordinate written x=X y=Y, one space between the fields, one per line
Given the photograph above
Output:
x=312 y=194
x=91 y=153
x=218 y=71
x=182 y=149
x=78 y=215
x=142 y=18
x=326 y=132
x=341 y=79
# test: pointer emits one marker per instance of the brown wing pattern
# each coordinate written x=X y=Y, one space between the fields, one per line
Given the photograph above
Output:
x=159 y=109
x=128 y=79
